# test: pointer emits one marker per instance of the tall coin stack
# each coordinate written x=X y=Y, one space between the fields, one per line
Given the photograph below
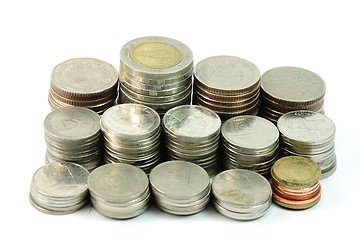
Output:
x=156 y=72
x=250 y=142
x=286 y=89
x=227 y=85
x=309 y=134
x=191 y=133
x=132 y=135
x=72 y=134
x=84 y=82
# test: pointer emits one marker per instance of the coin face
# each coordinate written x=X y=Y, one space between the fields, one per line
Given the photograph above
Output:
x=155 y=54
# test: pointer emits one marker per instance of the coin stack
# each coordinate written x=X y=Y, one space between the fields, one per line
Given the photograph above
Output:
x=241 y=194
x=295 y=182
x=180 y=187
x=72 y=134
x=132 y=135
x=156 y=72
x=84 y=82
x=228 y=85
x=119 y=191
x=286 y=89
x=191 y=133
x=59 y=188
x=309 y=134
x=250 y=142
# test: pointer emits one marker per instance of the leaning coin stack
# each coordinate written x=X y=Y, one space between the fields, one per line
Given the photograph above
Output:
x=191 y=133
x=241 y=194
x=132 y=135
x=73 y=134
x=84 y=82
x=156 y=72
x=309 y=134
x=286 y=89
x=228 y=85
x=59 y=188
x=119 y=190
x=180 y=187
x=250 y=142
x=295 y=182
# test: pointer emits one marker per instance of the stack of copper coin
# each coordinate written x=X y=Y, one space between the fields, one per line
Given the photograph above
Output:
x=227 y=85
x=295 y=182
x=84 y=82
x=156 y=72
x=286 y=89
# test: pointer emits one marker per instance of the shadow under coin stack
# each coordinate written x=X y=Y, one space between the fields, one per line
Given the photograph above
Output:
x=73 y=134
x=59 y=188
x=241 y=194
x=131 y=135
x=191 y=133
x=84 y=82
x=295 y=182
x=309 y=134
x=119 y=191
x=250 y=142
x=227 y=85
x=286 y=89
x=180 y=187
x=156 y=72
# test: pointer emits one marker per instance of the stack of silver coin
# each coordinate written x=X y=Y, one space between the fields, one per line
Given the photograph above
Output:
x=241 y=194
x=156 y=72
x=228 y=85
x=309 y=134
x=84 y=82
x=180 y=187
x=132 y=135
x=73 y=134
x=191 y=133
x=59 y=188
x=119 y=190
x=286 y=89
x=250 y=142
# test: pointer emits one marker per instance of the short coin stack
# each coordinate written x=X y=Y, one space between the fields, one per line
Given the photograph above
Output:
x=191 y=133
x=180 y=187
x=309 y=134
x=119 y=190
x=286 y=89
x=73 y=134
x=295 y=182
x=228 y=85
x=241 y=194
x=84 y=82
x=59 y=188
x=132 y=135
x=250 y=142
x=156 y=72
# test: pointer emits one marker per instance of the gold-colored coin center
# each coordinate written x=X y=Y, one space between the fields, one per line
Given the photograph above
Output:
x=156 y=55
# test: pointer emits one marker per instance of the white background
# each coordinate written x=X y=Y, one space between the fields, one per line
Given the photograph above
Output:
x=322 y=36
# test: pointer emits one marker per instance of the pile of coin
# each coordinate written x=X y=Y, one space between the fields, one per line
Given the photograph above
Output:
x=73 y=134
x=59 y=188
x=241 y=194
x=286 y=89
x=180 y=187
x=309 y=134
x=191 y=133
x=84 y=82
x=228 y=85
x=156 y=72
x=119 y=190
x=295 y=182
x=250 y=142
x=131 y=135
